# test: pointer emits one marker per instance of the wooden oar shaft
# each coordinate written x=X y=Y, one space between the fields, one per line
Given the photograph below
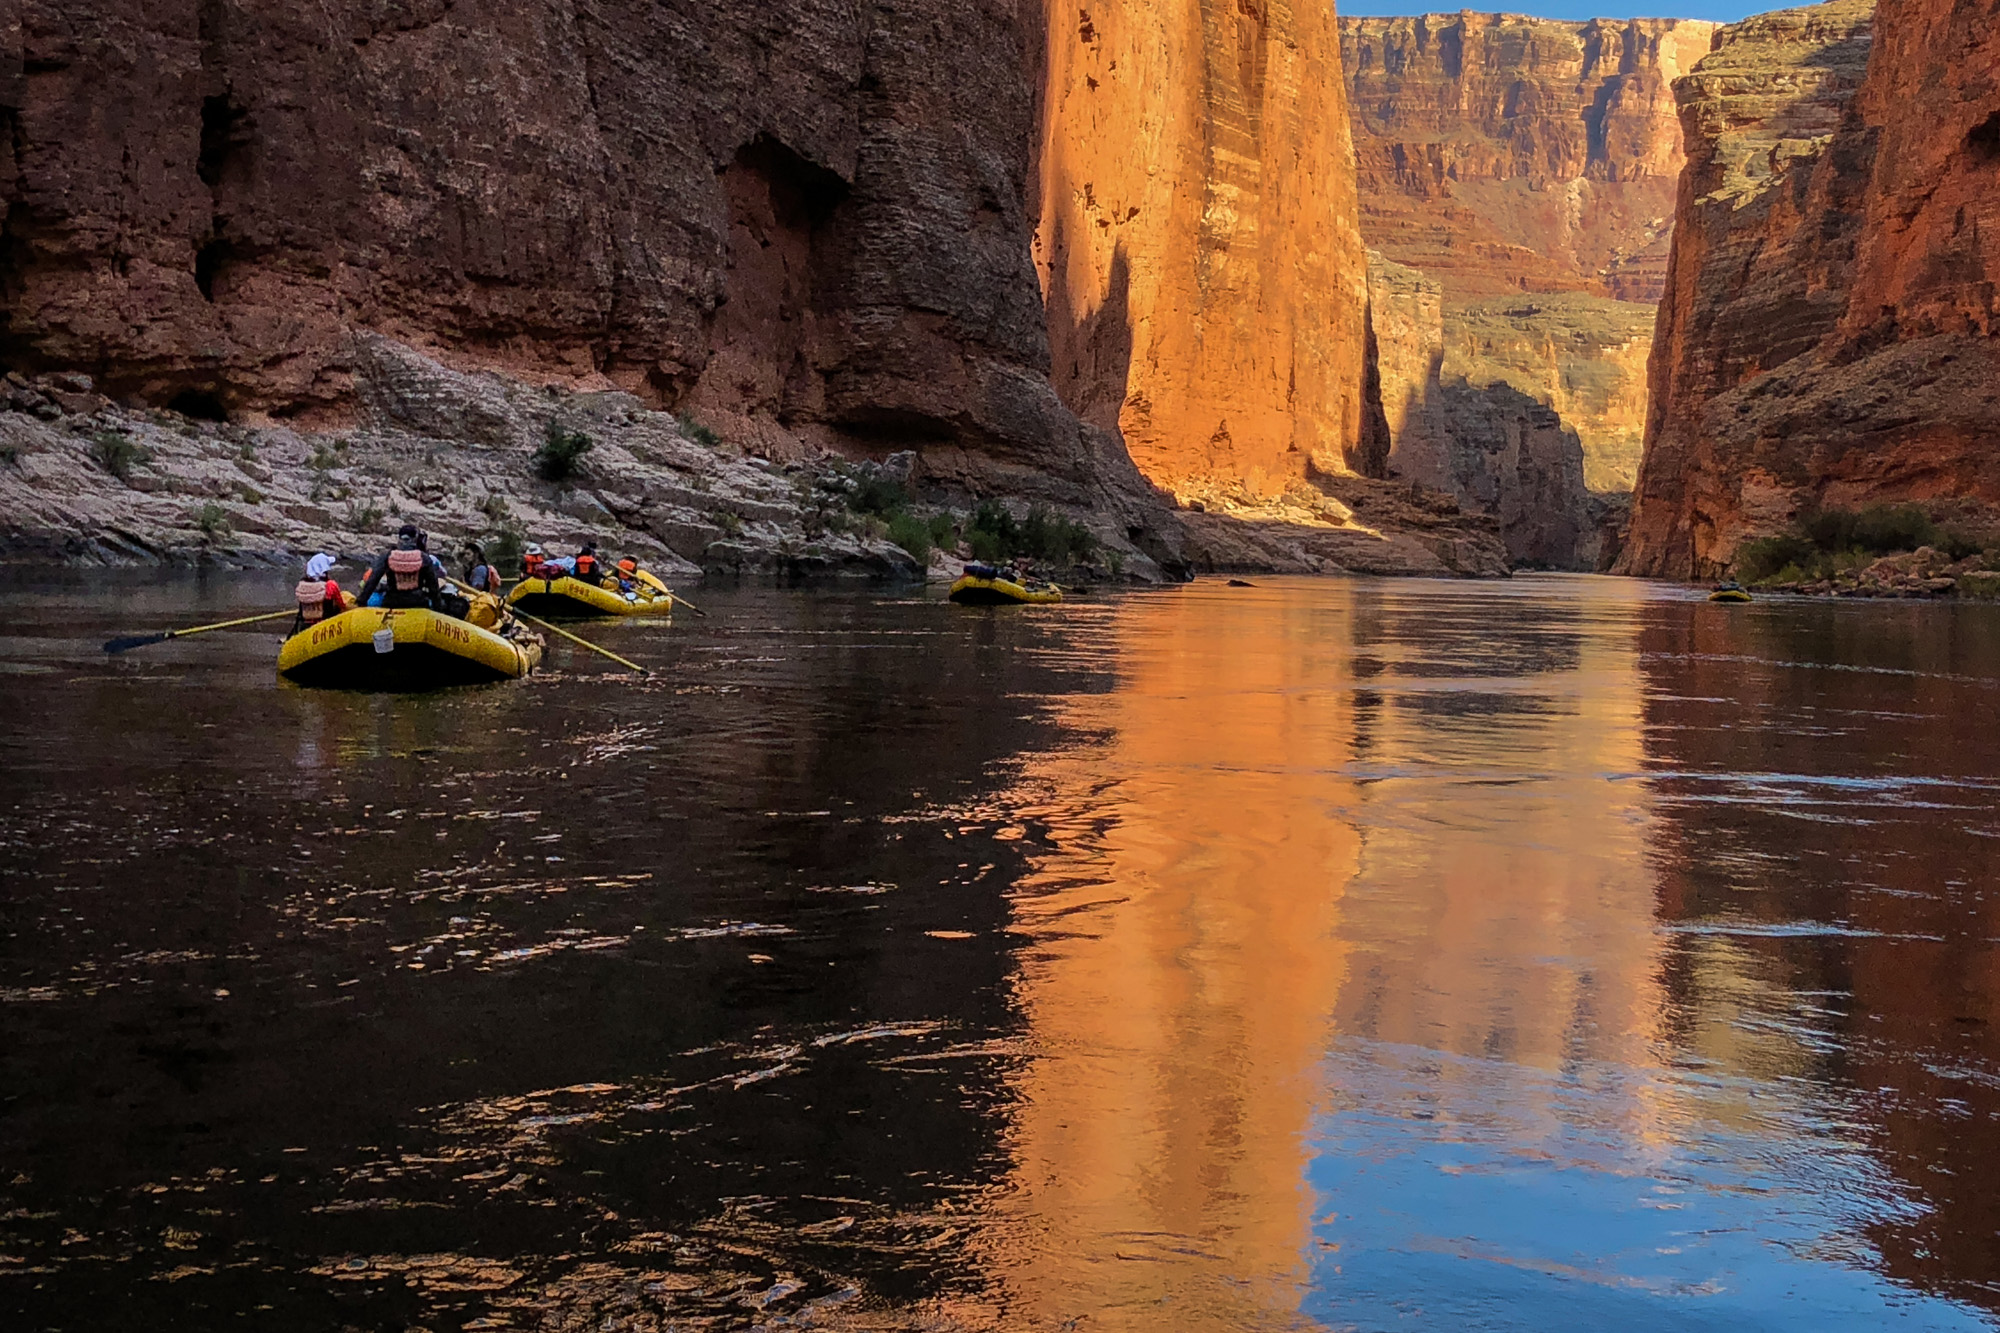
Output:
x=132 y=641
x=579 y=639
x=229 y=624
x=573 y=638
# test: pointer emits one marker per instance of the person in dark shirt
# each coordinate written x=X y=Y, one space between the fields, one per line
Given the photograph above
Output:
x=405 y=575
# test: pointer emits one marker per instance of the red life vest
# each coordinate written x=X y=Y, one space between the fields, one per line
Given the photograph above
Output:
x=404 y=566
x=586 y=567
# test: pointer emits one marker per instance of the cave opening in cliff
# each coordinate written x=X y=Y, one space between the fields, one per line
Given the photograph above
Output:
x=1983 y=142
x=200 y=404
x=761 y=370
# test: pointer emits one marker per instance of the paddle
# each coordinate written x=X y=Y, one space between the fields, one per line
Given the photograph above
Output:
x=579 y=639
x=132 y=641
x=537 y=620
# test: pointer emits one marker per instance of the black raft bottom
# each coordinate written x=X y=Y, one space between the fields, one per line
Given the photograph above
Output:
x=413 y=666
x=986 y=597
x=555 y=606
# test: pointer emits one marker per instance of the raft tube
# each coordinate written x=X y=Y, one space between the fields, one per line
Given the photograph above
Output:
x=973 y=590
x=565 y=596
x=431 y=650
x=1729 y=595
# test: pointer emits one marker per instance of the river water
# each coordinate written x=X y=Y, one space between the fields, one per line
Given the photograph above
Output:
x=1557 y=954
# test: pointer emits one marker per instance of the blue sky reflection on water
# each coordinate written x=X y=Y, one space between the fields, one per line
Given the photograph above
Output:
x=1480 y=1195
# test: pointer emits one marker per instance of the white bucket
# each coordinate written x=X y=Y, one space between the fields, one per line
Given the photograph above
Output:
x=385 y=640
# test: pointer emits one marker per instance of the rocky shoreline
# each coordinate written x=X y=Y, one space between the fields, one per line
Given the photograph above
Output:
x=1925 y=572
x=88 y=481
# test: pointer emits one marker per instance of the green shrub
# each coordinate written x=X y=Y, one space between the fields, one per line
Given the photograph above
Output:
x=118 y=454
x=944 y=532
x=363 y=517
x=994 y=535
x=323 y=459
x=248 y=452
x=878 y=495
x=1764 y=559
x=913 y=535
x=697 y=432
x=213 y=520
x=504 y=542
x=1055 y=539
x=1833 y=541
x=560 y=452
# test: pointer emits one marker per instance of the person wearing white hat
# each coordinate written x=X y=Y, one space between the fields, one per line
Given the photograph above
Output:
x=318 y=595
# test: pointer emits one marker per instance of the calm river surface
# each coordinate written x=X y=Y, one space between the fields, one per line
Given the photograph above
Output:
x=1557 y=954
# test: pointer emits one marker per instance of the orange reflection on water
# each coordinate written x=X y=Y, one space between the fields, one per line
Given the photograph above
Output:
x=1184 y=965
x=1298 y=821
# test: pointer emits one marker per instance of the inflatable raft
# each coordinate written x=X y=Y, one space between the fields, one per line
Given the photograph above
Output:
x=565 y=596
x=995 y=590
x=1729 y=592
x=375 y=649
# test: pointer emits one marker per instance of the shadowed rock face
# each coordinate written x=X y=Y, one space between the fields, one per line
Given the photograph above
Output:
x=801 y=218
x=1204 y=276
x=1504 y=154
x=1828 y=335
x=1457 y=422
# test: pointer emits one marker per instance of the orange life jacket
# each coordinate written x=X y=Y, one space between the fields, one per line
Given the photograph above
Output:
x=586 y=567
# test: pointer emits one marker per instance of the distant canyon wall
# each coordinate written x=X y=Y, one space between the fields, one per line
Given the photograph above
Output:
x=1198 y=244
x=1525 y=169
x=802 y=220
x=1504 y=154
x=1829 y=332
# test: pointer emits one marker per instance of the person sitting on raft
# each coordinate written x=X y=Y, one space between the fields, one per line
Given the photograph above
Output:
x=480 y=575
x=406 y=576
x=532 y=561
x=319 y=596
x=588 y=568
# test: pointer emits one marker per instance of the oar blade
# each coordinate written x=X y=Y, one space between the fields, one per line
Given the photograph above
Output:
x=131 y=641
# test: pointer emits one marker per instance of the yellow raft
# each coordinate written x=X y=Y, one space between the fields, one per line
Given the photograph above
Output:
x=977 y=590
x=566 y=596
x=1729 y=592
x=419 y=650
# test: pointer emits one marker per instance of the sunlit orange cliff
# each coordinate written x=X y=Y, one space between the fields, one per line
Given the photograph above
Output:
x=1197 y=239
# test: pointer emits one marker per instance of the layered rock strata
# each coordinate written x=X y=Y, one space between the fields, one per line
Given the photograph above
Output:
x=86 y=480
x=1495 y=449
x=1828 y=337
x=1503 y=154
x=1197 y=239
x=804 y=221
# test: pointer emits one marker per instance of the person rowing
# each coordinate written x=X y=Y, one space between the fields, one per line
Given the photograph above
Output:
x=405 y=575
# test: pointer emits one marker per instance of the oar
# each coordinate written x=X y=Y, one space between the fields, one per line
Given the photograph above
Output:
x=132 y=641
x=573 y=638
x=652 y=580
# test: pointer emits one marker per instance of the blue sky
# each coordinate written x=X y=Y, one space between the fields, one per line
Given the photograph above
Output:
x=1719 y=10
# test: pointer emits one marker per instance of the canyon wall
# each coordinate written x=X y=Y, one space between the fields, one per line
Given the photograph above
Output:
x=1828 y=337
x=1525 y=169
x=803 y=220
x=1197 y=238
x=1495 y=449
x=1504 y=154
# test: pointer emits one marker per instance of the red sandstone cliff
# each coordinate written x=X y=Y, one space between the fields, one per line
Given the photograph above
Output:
x=797 y=218
x=1204 y=276
x=1502 y=154
x=1829 y=333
